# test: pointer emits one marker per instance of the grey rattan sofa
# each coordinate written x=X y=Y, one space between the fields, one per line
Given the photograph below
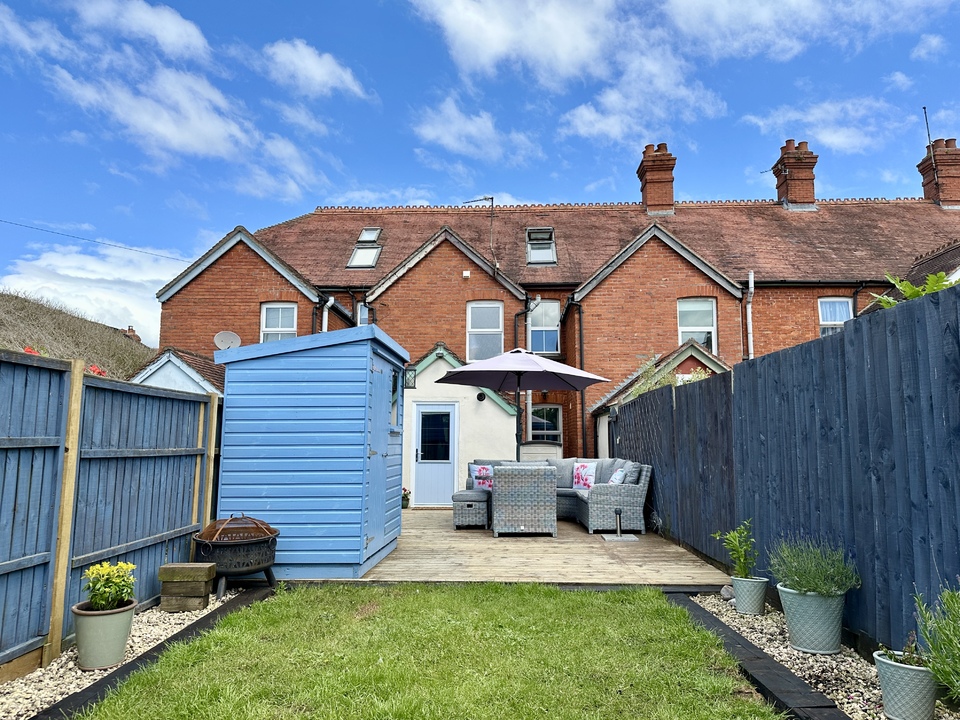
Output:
x=524 y=499
x=596 y=508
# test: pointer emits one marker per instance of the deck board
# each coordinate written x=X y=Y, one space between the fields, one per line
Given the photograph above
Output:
x=430 y=550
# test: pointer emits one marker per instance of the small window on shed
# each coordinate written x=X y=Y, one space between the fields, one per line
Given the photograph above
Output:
x=366 y=253
x=541 y=248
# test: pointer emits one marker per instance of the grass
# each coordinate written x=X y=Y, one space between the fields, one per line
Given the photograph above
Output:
x=444 y=651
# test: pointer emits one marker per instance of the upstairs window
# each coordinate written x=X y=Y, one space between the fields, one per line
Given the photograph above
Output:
x=541 y=249
x=278 y=321
x=697 y=320
x=833 y=313
x=366 y=253
x=545 y=327
x=484 y=330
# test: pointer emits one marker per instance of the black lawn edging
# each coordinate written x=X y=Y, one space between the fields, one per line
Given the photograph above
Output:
x=773 y=681
x=92 y=694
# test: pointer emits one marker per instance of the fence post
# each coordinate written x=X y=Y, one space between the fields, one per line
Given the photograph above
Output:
x=212 y=439
x=68 y=484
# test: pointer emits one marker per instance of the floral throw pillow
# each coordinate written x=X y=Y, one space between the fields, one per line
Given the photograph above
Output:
x=583 y=475
x=482 y=475
x=618 y=477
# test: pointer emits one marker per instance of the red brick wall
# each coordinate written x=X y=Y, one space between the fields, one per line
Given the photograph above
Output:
x=227 y=296
x=429 y=303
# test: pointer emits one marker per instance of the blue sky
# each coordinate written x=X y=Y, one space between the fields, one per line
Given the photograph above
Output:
x=160 y=128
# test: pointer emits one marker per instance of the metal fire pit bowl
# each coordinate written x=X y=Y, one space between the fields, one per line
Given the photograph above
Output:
x=239 y=546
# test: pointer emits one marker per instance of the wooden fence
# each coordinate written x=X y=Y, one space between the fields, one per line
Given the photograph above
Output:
x=90 y=470
x=854 y=437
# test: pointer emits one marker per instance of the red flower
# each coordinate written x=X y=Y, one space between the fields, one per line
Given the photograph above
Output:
x=97 y=370
x=30 y=351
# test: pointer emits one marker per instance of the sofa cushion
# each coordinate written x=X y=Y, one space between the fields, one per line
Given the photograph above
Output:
x=534 y=463
x=566 y=492
x=471 y=496
x=584 y=474
x=618 y=476
x=564 y=471
x=482 y=475
x=633 y=473
x=583 y=495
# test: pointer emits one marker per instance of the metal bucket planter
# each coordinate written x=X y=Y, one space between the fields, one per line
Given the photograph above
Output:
x=102 y=635
x=909 y=691
x=750 y=594
x=813 y=621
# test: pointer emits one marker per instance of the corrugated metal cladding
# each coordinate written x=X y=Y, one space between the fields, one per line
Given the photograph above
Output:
x=311 y=445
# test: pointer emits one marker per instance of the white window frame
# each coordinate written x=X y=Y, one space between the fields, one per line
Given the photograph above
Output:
x=829 y=327
x=483 y=331
x=558 y=432
x=712 y=329
x=532 y=328
x=284 y=331
x=542 y=239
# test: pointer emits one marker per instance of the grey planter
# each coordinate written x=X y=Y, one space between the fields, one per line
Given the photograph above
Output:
x=102 y=634
x=813 y=621
x=750 y=594
x=909 y=692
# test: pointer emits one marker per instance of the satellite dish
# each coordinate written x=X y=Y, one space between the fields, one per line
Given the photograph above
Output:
x=226 y=340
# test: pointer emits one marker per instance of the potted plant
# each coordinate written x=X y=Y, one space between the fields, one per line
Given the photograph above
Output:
x=908 y=685
x=940 y=631
x=104 y=620
x=814 y=578
x=748 y=590
x=405 y=498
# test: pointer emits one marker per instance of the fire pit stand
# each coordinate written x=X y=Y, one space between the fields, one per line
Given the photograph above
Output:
x=239 y=546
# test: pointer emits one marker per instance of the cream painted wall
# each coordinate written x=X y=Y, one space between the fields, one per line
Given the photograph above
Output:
x=603 y=436
x=485 y=430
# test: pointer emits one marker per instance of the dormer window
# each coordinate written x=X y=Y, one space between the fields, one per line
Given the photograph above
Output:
x=541 y=248
x=367 y=251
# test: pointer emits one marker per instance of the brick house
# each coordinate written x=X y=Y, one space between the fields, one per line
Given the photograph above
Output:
x=603 y=287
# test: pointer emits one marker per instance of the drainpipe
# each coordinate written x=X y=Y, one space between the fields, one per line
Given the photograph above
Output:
x=583 y=397
x=857 y=292
x=750 y=289
x=527 y=309
x=326 y=313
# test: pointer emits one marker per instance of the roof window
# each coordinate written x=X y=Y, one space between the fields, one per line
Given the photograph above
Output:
x=366 y=253
x=541 y=248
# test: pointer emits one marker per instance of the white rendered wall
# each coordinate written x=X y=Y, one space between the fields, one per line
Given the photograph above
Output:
x=603 y=436
x=171 y=377
x=485 y=430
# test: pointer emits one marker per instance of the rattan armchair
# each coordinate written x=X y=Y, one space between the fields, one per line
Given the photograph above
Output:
x=524 y=500
x=598 y=512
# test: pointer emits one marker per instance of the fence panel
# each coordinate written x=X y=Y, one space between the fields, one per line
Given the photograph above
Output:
x=32 y=417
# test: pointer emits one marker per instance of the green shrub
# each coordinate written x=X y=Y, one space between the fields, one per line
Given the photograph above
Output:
x=940 y=629
x=808 y=565
x=109 y=586
x=740 y=544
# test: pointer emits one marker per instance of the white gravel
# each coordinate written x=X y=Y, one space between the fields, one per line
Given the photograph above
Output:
x=26 y=696
x=846 y=678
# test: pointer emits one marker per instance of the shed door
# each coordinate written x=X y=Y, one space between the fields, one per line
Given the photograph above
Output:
x=435 y=455
x=378 y=436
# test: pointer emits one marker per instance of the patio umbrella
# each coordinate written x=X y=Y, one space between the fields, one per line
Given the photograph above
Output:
x=519 y=370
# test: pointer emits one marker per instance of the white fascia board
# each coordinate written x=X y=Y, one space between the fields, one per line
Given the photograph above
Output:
x=428 y=247
x=655 y=230
x=217 y=252
x=453 y=363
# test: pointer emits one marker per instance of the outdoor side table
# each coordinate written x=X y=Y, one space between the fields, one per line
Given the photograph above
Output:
x=471 y=508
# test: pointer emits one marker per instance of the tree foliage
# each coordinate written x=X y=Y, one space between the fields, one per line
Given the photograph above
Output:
x=935 y=283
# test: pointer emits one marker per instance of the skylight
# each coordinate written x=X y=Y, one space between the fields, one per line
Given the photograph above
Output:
x=367 y=251
x=541 y=248
x=369 y=235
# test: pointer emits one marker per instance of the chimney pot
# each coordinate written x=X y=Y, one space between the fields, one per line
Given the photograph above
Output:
x=802 y=146
x=940 y=171
x=794 y=174
x=939 y=144
x=951 y=143
x=656 y=179
x=789 y=146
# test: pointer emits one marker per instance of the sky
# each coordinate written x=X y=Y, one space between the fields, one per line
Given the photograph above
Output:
x=135 y=135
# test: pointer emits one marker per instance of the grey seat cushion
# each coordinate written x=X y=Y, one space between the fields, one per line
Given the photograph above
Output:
x=471 y=496
x=566 y=492
x=564 y=471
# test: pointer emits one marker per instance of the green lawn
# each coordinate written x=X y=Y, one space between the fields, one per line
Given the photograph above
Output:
x=444 y=651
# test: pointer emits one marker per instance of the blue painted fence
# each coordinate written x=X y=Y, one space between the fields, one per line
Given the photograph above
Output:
x=138 y=480
x=854 y=437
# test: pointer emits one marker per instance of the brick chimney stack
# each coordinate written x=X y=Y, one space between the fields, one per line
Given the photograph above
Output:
x=656 y=179
x=131 y=333
x=794 y=174
x=940 y=171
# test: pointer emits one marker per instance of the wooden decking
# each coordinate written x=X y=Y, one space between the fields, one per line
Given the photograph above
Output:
x=430 y=550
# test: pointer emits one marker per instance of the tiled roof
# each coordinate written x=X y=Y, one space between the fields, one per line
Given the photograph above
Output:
x=945 y=259
x=203 y=365
x=842 y=241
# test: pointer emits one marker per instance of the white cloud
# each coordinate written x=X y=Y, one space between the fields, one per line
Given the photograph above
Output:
x=174 y=35
x=286 y=155
x=557 y=39
x=110 y=285
x=783 y=30
x=66 y=227
x=894 y=178
x=181 y=202
x=857 y=125
x=475 y=136
x=456 y=171
x=174 y=112
x=899 y=81
x=33 y=38
x=930 y=47
x=297 y=65
x=407 y=197
x=301 y=117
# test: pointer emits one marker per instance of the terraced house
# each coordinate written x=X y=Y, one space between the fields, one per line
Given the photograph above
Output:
x=603 y=287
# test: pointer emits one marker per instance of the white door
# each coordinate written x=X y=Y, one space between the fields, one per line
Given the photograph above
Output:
x=435 y=455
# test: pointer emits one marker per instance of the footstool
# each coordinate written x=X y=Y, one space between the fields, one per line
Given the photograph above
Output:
x=471 y=508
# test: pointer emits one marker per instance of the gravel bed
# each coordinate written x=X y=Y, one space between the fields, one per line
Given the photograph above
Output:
x=26 y=696
x=846 y=678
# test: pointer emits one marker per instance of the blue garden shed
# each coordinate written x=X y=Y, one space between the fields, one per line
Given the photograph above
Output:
x=312 y=445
